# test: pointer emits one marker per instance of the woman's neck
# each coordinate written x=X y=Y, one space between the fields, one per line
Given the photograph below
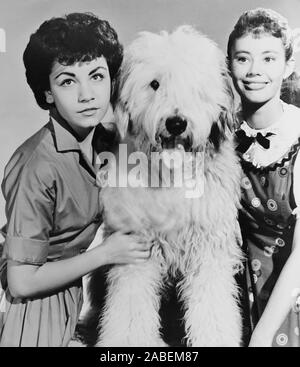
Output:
x=264 y=115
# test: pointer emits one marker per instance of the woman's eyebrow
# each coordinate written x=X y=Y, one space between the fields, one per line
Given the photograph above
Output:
x=65 y=73
x=270 y=51
x=264 y=52
x=97 y=68
x=241 y=52
x=74 y=75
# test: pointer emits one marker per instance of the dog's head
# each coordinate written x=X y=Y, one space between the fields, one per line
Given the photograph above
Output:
x=173 y=91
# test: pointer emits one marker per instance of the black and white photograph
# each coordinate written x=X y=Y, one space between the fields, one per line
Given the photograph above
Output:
x=150 y=179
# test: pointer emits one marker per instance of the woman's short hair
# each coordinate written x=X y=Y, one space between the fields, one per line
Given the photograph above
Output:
x=262 y=21
x=69 y=39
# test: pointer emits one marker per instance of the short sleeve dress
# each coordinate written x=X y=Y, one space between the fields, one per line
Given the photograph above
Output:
x=270 y=207
x=53 y=213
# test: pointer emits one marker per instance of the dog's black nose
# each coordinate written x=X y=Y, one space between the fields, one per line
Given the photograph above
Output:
x=176 y=125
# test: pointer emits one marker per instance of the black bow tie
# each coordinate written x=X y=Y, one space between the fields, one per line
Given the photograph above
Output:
x=245 y=141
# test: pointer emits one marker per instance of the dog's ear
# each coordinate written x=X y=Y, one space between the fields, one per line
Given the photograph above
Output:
x=224 y=127
x=119 y=101
x=122 y=119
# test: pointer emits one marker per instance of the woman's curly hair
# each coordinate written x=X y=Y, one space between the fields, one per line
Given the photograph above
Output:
x=69 y=39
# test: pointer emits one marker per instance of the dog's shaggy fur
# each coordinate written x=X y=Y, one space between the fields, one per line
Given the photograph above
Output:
x=193 y=237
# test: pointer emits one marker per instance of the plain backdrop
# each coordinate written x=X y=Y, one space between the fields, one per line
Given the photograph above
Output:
x=20 y=116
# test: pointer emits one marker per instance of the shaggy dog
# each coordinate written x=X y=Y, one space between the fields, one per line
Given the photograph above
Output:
x=174 y=100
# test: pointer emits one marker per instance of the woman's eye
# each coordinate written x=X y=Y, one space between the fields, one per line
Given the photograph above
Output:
x=269 y=59
x=67 y=82
x=98 y=76
x=242 y=59
x=154 y=84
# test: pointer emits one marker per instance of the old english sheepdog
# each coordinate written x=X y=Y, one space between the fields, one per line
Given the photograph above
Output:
x=175 y=108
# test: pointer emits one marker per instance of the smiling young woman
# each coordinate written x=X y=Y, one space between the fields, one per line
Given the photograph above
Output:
x=260 y=56
x=258 y=68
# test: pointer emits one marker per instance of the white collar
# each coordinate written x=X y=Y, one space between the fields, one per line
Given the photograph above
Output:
x=286 y=131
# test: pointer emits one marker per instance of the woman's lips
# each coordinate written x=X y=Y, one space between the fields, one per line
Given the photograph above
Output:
x=88 y=111
x=254 y=85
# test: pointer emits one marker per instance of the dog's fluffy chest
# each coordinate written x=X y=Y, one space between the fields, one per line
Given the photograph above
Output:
x=157 y=210
x=177 y=225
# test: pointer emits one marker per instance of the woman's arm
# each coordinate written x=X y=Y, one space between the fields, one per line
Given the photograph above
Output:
x=26 y=281
x=281 y=299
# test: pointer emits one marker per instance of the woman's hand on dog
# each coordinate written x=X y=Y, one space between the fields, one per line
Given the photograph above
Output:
x=120 y=248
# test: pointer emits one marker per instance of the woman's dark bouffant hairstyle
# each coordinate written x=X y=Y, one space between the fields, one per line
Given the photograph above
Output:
x=69 y=39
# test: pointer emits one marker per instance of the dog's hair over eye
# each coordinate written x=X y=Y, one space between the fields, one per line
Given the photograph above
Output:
x=154 y=84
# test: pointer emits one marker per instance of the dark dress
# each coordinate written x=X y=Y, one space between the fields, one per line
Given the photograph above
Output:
x=53 y=213
x=267 y=224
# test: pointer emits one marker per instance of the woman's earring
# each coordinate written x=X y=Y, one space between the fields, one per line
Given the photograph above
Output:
x=49 y=97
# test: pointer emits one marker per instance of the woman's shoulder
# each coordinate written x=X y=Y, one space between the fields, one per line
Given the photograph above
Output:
x=40 y=142
x=292 y=112
x=289 y=127
x=32 y=157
